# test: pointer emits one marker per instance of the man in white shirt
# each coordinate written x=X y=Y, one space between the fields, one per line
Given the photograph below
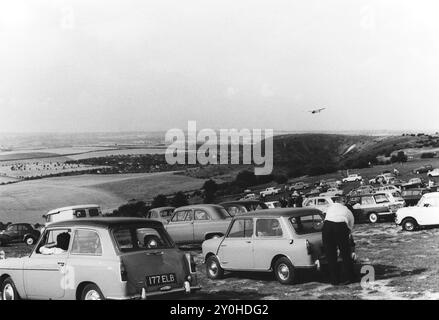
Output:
x=339 y=222
x=61 y=246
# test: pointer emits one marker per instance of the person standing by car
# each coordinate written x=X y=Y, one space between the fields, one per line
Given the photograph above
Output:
x=338 y=224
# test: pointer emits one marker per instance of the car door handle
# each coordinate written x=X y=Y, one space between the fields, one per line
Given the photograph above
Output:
x=61 y=264
x=223 y=245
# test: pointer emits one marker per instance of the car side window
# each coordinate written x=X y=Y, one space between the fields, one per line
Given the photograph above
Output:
x=367 y=200
x=322 y=202
x=381 y=198
x=86 y=242
x=80 y=213
x=93 y=212
x=268 y=228
x=201 y=215
x=56 y=239
x=309 y=202
x=241 y=228
x=189 y=216
x=179 y=216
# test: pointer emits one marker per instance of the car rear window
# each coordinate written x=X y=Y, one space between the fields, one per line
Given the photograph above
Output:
x=140 y=237
x=307 y=224
x=223 y=213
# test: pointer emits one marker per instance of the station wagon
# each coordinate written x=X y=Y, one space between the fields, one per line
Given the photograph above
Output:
x=272 y=240
x=95 y=259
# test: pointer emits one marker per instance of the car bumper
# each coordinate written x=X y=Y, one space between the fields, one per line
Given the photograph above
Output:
x=187 y=289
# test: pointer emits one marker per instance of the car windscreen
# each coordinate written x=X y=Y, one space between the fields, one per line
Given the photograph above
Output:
x=307 y=224
x=142 y=237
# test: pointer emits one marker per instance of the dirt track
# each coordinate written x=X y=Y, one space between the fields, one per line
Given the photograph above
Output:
x=406 y=267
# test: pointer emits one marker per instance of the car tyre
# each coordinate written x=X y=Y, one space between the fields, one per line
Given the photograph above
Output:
x=92 y=292
x=8 y=290
x=409 y=224
x=213 y=268
x=373 y=217
x=30 y=241
x=284 y=271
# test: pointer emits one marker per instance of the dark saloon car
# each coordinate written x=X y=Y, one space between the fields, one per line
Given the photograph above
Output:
x=243 y=206
x=423 y=169
x=19 y=232
x=412 y=196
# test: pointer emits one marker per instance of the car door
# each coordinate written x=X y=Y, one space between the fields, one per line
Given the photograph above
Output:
x=382 y=203
x=181 y=227
x=236 y=250
x=268 y=236
x=202 y=224
x=429 y=212
x=45 y=276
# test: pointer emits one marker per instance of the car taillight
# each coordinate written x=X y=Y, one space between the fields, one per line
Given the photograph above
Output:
x=123 y=272
x=308 y=247
x=191 y=263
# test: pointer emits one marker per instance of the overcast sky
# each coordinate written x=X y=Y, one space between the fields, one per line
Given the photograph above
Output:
x=123 y=65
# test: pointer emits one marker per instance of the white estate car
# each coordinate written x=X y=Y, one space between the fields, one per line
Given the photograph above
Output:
x=425 y=213
x=352 y=178
x=433 y=173
x=270 y=191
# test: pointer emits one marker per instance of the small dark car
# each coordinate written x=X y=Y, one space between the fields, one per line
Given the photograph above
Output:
x=240 y=207
x=19 y=232
x=412 y=196
x=423 y=169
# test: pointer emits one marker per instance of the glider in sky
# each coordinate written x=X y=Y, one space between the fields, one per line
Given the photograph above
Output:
x=317 y=110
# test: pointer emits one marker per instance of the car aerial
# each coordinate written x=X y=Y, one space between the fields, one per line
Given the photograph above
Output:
x=361 y=190
x=299 y=186
x=273 y=204
x=425 y=213
x=332 y=192
x=162 y=214
x=270 y=191
x=433 y=173
x=274 y=240
x=321 y=203
x=243 y=206
x=73 y=212
x=352 y=178
x=112 y=258
x=372 y=207
x=412 y=196
x=423 y=169
x=196 y=223
x=19 y=232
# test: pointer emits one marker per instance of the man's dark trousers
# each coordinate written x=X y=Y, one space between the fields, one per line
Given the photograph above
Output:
x=336 y=235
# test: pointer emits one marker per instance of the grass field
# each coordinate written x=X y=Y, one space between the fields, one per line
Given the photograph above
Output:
x=27 y=201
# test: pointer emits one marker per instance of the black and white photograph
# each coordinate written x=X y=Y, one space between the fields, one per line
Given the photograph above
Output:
x=245 y=151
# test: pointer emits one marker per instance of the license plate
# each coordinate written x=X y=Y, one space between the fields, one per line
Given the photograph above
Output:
x=161 y=279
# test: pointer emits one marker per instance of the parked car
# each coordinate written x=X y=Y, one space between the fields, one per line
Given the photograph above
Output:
x=384 y=178
x=413 y=183
x=433 y=173
x=73 y=212
x=321 y=203
x=270 y=191
x=299 y=186
x=361 y=190
x=372 y=207
x=423 y=169
x=196 y=223
x=250 y=196
x=19 y=232
x=412 y=196
x=352 y=178
x=425 y=213
x=275 y=240
x=162 y=214
x=273 y=204
x=112 y=258
x=243 y=206
x=332 y=192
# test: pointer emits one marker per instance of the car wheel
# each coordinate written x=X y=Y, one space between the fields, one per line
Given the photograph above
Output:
x=8 y=290
x=213 y=268
x=92 y=292
x=284 y=271
x=373 y=217
x=30 y=241
x=409 y=224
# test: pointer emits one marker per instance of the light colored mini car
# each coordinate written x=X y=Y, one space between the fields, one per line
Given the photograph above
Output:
x=196 y=223
x=332 y=192
x=433 y=173
x=321 y=203
x=273 y=204
x=273 y=240
x=352 y=178
x=425 y=213
x=95 y=259
x=270 y=191
x=162 y=214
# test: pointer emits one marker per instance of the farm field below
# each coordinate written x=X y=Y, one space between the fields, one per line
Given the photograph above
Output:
x=406 y=265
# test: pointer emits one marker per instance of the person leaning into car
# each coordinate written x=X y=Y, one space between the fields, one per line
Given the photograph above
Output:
x=338 y=224
x=62 y=245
